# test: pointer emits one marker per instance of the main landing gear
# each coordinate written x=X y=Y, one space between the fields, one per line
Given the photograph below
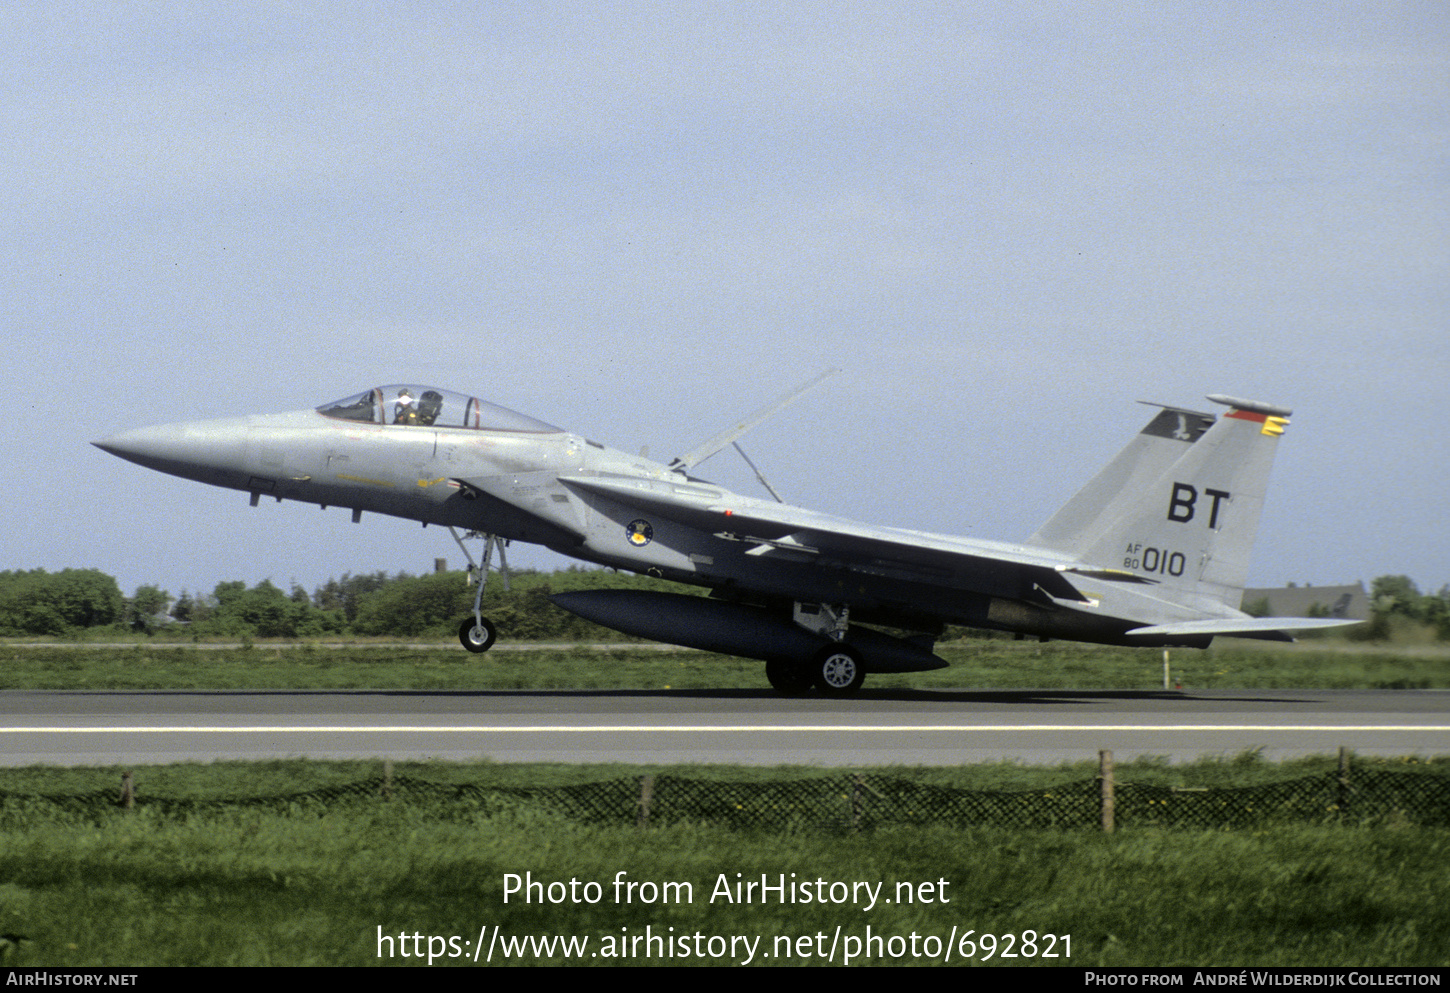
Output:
x=477 y=633
x=790 y=677
x=835 y=670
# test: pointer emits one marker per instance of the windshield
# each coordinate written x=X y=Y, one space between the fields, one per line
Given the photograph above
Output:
x=428 y=406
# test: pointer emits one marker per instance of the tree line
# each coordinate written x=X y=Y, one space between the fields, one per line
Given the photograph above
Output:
x=88 y=602
x=1395 y=601
x=76 y=601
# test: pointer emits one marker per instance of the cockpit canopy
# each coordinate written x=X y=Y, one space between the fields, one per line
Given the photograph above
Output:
x=427 y=406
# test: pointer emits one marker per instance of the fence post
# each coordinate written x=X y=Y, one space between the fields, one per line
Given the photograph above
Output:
x=1344 y=787
x=855 y=801
x=1105 y=784
x=646 y=796
x=128 y=790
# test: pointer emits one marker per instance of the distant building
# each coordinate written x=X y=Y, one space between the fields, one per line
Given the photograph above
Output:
x=1347 y=602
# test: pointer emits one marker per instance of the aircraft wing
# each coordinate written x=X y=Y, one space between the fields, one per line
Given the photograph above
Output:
x=992 y=568
x=987 y=567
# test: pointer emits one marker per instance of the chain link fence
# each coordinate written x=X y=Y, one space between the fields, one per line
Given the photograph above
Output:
x=855 y=802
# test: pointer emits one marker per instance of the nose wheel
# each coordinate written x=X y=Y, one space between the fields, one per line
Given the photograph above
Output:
x=477 y=635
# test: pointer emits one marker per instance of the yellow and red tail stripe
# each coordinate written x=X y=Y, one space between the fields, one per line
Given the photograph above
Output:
x=1272 y=425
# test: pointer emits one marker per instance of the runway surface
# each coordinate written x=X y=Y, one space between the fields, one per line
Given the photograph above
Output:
x=943 y=727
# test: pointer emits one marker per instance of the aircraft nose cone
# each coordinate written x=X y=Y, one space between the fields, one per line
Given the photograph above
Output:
x=199 y=450
x=133 y=445
x=168 y=443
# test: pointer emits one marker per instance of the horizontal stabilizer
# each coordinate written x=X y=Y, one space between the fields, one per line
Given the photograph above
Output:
x=1245 y=627
x=1109 y=575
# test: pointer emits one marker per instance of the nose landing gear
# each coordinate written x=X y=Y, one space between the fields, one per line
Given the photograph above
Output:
x=477 y=634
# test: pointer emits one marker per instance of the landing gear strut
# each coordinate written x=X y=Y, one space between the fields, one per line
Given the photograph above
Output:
x=478 y=633
x=836 y=668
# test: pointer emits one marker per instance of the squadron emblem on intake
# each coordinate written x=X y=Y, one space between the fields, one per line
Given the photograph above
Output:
x=639 y=532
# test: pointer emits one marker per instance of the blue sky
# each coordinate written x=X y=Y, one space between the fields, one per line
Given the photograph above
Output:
x=1004 y=223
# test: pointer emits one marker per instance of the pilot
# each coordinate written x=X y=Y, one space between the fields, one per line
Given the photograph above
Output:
x=405 y=410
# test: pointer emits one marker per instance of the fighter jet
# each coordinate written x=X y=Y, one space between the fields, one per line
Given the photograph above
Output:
x=1154 y=551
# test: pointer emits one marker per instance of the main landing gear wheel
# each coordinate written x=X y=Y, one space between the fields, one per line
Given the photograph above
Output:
x=477 y=636
x=789 y=676
x=836 y=670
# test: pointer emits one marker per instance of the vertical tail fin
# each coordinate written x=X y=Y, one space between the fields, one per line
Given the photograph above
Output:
x=1193 y=529
x=1190 y=526
x=1163 y=441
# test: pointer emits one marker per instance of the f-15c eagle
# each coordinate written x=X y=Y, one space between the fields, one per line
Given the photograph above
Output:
x=1154 y=551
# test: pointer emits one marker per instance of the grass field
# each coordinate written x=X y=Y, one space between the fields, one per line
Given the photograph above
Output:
x=974 y=663
x=322 y=884
x=389 y=883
